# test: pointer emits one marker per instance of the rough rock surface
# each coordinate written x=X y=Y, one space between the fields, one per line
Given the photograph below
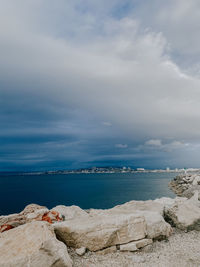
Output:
x=11 y=221
x=98 y=232
x=185 y=213
x=31 y=208
x=107 y=250
x=32 y=212
x=81 y=251
x=181 y=250
x=184 y=185
x=135 y=245
x=152 y=211
x=44 y=215
x=34 y=245
x=70 y=212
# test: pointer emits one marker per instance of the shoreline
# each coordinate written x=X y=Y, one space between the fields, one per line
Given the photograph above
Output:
x=86 y=171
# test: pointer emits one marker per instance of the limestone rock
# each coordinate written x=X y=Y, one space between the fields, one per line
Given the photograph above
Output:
x=32 y=212
x=31 y=208
x=157 y=227
x=196 y=180
x=11 y=221
x=81 y=251
x=107 y=250
x=185 y=213
x=135 y=245
x=44 y=215
x=185 y=185
x=132 y=207
x=165 y=202
x=70 y=212
x=151 y=210
x=34 y=245
x=98 y=232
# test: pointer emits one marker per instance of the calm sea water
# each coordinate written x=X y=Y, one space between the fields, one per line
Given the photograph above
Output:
x=84 y=190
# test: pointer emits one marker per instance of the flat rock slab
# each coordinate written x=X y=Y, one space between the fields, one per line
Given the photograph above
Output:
x=135 y=245
x=151 y=210
x=98 y=232
x=33 y=245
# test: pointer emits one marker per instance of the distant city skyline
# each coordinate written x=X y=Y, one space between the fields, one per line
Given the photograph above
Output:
x=99 y=83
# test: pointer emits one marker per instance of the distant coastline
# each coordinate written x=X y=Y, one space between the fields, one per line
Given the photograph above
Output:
x=105 y=170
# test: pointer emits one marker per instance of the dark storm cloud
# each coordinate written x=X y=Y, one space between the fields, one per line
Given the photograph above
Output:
x=90 y=83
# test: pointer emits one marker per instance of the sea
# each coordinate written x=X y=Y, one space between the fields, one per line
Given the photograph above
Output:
x=99 y=191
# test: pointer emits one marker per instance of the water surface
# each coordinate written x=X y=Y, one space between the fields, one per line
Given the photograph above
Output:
x=84 y=190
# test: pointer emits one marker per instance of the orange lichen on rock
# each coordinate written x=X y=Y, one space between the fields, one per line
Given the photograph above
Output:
x=52 y=216
x=5 y=227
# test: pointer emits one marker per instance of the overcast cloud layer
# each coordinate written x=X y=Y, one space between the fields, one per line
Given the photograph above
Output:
x=95 y=83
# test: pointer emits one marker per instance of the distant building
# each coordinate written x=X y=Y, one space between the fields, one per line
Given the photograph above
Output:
x=167 y=169
x=140 y=169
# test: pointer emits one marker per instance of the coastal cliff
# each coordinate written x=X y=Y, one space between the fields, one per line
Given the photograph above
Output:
x=131 y=234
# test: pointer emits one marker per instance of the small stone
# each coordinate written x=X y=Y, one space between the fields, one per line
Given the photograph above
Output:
x=135 y=245
x=107 y=250
x=81 y=251
x=129 y=247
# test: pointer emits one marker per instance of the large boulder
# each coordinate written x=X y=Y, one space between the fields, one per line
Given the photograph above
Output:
x=34 y=245
x=70 y=212
x=157 y=227
x=185 y=213
x=32 y=212
x=151 y=210
x=100 y=232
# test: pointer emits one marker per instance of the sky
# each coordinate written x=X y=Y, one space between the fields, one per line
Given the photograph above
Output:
x=99 y=83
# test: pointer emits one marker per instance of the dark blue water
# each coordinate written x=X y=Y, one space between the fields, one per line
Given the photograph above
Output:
x=84 y=190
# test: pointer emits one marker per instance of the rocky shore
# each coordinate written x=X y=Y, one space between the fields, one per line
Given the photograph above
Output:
x=137 y=233
x=185 y=185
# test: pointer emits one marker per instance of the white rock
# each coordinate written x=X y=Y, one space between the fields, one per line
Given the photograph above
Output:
x=185 y=213
x=81 y=251
x=33 y=245
x=128 y=247
x=100 y=232
x=135 y=245
x=165 y=201
x=71 y=212
x=36 y=214
x=157 y=227
x=196 y=180
x=107 y=250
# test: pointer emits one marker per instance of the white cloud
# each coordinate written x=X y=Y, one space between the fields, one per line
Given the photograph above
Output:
x=178 y=20
x=165 y=146
x=154 y=142
x=121 y=145
x=107 y=123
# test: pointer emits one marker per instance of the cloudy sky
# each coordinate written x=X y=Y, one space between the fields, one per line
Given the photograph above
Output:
x=95 y=83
